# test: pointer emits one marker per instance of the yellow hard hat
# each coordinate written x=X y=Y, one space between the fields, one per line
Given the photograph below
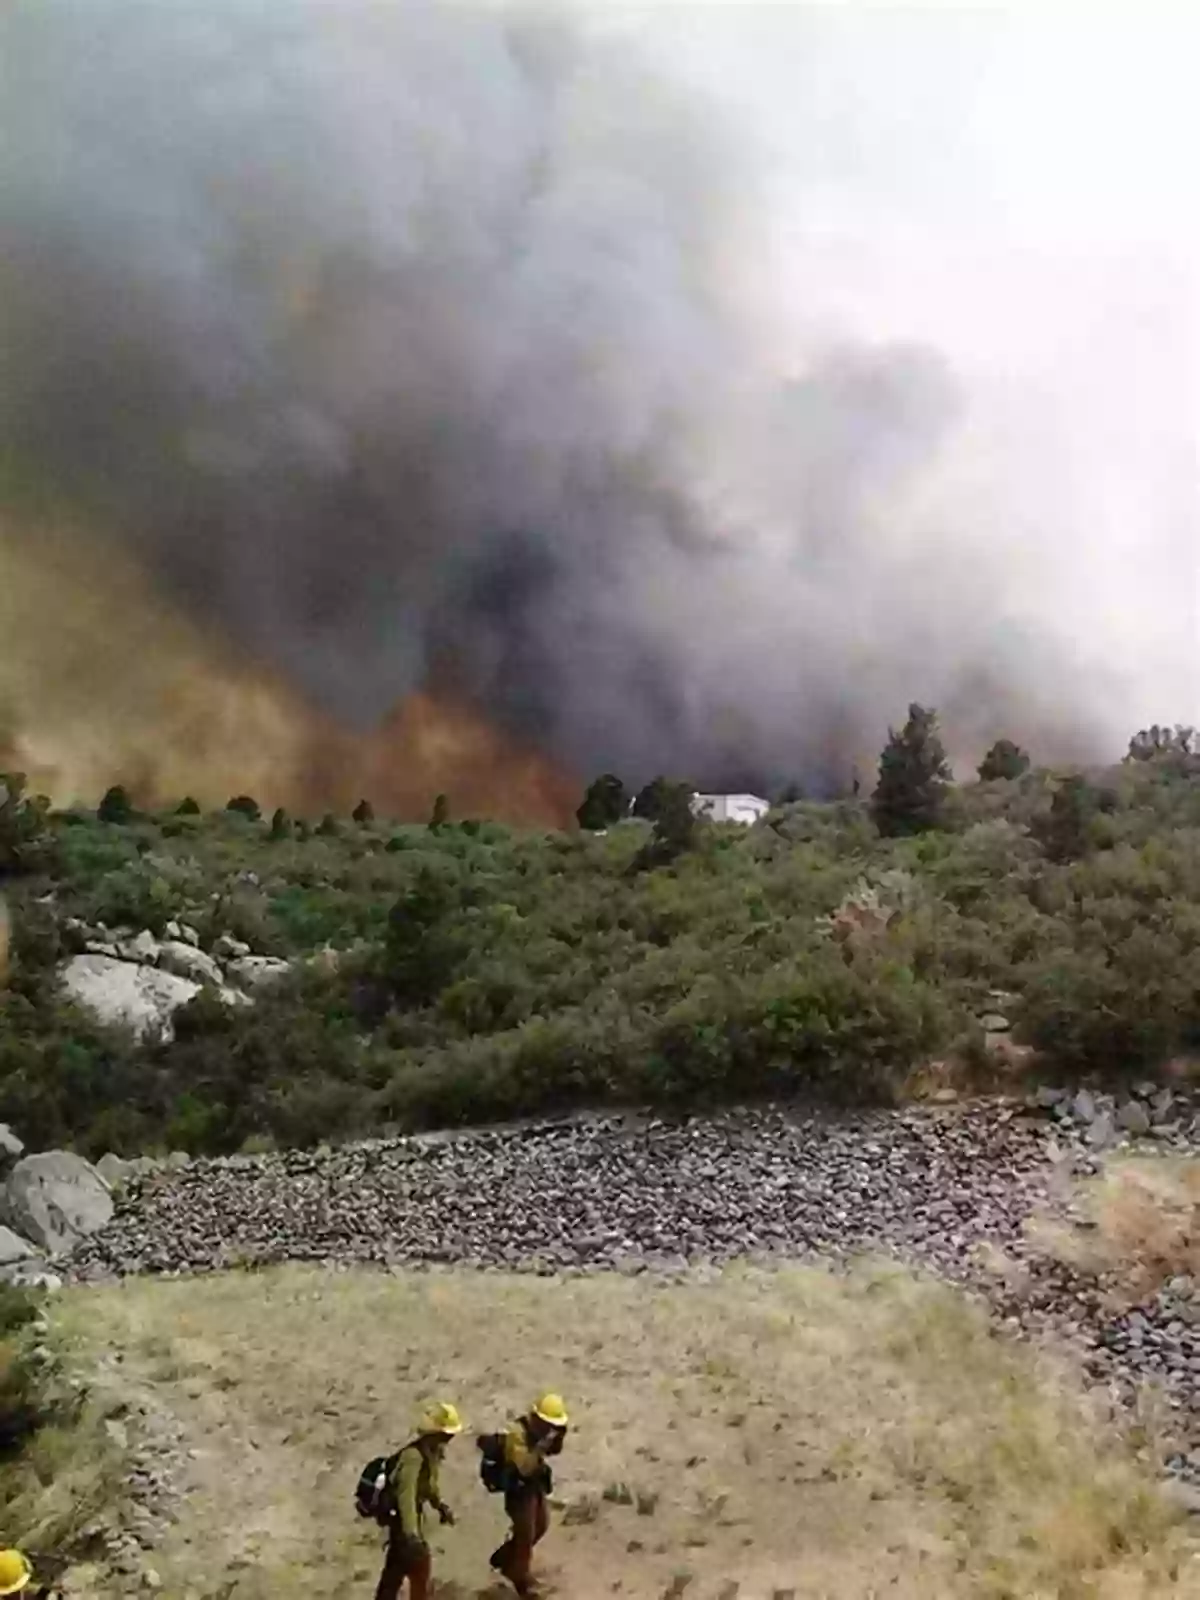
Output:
x=15 y=1572
x=440 y=1418
x=550 y=1409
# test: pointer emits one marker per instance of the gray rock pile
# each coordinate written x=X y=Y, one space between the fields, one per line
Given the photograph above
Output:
x=607 y=1192
x=1151 y=1110
x=139 y=981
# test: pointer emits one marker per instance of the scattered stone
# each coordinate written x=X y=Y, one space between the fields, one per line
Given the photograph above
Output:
x=994 y=1022
x=1134 y=1118
x=33 y=1274
x=229 y=948
x=11 y=1148
x=1046 y=1098
x=1083 y=1107
x=1102 y=1131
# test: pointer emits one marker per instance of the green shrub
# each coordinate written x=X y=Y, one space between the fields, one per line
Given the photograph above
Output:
x=244 y=805
x=26 y=841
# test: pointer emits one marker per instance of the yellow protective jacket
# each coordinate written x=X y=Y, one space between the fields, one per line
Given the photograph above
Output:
x=525 y=1455
x=415 y=1486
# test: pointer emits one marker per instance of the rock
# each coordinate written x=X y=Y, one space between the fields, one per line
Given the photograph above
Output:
x=994 y=1022
x=944 y=1097
x=144 y=947
x=13 y=1247
x=187 y=962
x=1186 y=1495
x=120 y=992
x=114 y=1170
x=1163 y=1105
x=229 y=948
x=11 y=1148
x=1083 y=1107
x=189 y=935
x=1134 y=1117
x=257 y=972
x=1103 y=1131
x=32 y=1274
x=55 y=1199
x=1045 y=1098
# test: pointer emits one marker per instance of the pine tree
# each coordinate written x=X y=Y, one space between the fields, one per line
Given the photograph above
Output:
x=913 y=774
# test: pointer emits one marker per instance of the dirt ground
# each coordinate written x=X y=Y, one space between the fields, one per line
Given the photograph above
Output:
x=791 y=1432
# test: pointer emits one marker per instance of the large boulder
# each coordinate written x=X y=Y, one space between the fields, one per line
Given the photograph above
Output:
x=139 y=997
x=142 y=947
x=55 y=1199
x=14 y=1248
x=186 y=962
x=257 y=972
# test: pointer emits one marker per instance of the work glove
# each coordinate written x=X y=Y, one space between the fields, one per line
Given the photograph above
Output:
x=445 y=1513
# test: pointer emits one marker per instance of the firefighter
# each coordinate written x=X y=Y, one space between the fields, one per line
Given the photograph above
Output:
x=415 y=1486
x=528 y=1446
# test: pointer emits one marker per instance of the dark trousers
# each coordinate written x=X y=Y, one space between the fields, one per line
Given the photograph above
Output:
x=530 y=1518
x=403 y=1561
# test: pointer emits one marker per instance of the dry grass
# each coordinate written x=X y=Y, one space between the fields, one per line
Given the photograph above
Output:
x=782 y=1432
x=1141 y=1224
x=65 y=1475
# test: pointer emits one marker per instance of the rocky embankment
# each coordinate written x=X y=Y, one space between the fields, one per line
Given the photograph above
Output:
x=941 y=1187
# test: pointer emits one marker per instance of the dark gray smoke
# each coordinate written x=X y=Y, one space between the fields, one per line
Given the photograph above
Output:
x=396 y=343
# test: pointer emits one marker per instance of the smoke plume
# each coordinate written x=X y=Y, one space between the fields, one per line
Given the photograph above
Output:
x=357 y=357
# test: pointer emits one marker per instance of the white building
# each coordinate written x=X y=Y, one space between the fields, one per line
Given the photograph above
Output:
x=744 y=808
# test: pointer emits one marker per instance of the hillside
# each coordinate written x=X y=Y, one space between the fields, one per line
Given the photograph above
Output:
x=470 y=971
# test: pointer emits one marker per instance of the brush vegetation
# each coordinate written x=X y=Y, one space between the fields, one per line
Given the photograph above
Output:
x=835 y=951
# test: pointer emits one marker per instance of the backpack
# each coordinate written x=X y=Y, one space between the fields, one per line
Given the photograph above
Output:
x=374 y=1497
x=493 y=1468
